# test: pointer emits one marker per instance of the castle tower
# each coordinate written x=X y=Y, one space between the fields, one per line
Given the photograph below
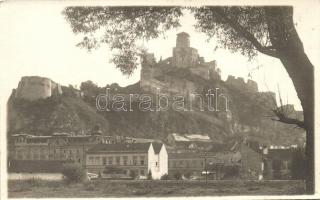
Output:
x=183 y=55
x=183 y=40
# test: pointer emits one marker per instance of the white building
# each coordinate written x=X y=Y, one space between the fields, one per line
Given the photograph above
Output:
x=125 y=160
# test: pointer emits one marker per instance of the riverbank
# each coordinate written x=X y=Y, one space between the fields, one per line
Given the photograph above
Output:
x=35 y=188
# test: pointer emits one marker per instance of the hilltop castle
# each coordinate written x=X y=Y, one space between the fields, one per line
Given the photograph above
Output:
x=168 y=75
x=34 y=87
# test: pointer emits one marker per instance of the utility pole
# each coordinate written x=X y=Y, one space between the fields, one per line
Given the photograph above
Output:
x=205 y=165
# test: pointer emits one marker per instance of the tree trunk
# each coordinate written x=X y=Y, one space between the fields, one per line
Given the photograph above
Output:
x=288 y=45
x=301 y=72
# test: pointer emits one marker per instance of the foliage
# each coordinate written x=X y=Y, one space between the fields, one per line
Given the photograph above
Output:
x=187 y=174
x=90 y=89
x=177 y=175
x=73 y=173
x=231 y=172
x=219 y=22
x=164 y=177
x=114 y=170
x=121 y=28
x=149 y=177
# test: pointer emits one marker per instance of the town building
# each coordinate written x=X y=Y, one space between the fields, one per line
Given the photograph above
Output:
x=188 y=142
x=213 y=161
x=26 y=150
x=277 y=163
x=134 y=160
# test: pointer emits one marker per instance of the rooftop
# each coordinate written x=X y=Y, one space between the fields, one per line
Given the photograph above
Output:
x=132 y=147
x=184 y=34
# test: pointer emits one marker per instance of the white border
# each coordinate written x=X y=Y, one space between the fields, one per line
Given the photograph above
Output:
x=3 y=97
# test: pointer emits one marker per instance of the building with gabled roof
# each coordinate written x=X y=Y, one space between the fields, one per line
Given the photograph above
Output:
x=133 y=160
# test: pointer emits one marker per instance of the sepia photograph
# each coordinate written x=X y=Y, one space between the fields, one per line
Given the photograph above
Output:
x=164 y=99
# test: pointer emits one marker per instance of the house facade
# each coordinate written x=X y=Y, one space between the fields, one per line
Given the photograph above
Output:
x=35 y=153
x=134 y=160
x=199 y=163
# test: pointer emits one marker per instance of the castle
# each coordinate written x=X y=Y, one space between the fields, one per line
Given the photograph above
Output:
x=157 y=75
x=170 y=76
x=34 y=87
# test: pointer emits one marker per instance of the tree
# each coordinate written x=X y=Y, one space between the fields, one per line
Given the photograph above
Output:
x=177 y=175
x=248 y=30
x=73 y=173
x=149 y=177
x=270 y=31
x=122 y=27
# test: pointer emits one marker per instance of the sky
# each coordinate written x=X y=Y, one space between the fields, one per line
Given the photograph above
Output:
x=35 y=39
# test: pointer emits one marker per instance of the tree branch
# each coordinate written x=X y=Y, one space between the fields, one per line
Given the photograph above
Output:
x=282 y=117
x=247 y=35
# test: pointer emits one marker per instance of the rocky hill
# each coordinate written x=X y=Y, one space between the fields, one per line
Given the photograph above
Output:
x=40 y=106
x=249 y=115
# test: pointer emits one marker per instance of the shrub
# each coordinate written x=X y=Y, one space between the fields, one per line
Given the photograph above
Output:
x=90 y=187
x=187 y=175
x=73 y=173
x=149 y=177
x=165 y=177
x=177 y=176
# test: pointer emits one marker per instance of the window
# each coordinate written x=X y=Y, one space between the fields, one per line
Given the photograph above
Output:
x=110 y=160
x=97 y=160
x=104 y=160
x=134 y=160
x=125 y=160
x=156 y=164
x=142 y=172
x=141 y=160
x=118 y=160
x=91 y=159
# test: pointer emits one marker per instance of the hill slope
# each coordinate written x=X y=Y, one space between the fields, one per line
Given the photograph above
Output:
x=249 y=116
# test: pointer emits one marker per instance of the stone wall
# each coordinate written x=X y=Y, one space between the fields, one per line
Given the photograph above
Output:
x=240 y=84
x=34 y=87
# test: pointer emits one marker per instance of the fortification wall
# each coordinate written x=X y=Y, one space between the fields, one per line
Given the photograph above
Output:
x=34 y=87
x=185 y=57
x=239 y=83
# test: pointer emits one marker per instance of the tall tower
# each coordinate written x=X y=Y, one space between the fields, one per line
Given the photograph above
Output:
x=183 y=55
x=183 y=40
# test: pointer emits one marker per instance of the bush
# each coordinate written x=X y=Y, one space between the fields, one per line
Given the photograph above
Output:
x=90 y=187
x=187 y=175
x=165 y=177
x=149 y=177
x=73 y=173
x=177 y=176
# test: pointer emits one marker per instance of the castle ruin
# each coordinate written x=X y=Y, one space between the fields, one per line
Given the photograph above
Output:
x=156 y=75
x=34 y=87
x=239 y=83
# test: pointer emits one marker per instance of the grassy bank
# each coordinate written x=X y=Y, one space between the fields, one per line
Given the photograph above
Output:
x=43 y=188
